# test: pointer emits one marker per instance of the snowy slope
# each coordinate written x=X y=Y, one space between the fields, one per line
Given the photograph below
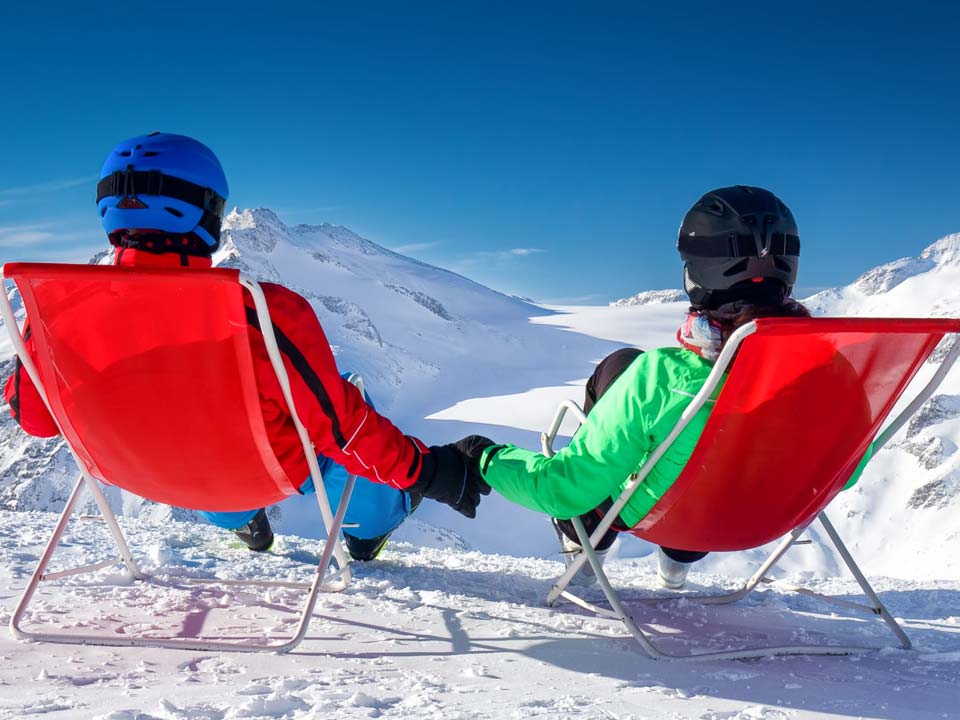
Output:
x=904 y=517
x=422 y=337
x=925 y=285
x=444 y=357
x=443 y=633
x=442 y=626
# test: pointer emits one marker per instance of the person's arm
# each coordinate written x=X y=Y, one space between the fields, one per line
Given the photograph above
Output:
x=604 y=451
x=345 y=428
x=26 y=405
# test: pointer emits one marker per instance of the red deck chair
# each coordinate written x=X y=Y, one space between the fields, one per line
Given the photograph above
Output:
x=798 y=411
x=149 y=376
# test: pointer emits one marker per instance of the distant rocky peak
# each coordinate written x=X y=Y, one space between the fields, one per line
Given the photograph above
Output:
x=248 y=219
x=888 y=276
x=324 y=227
x=649 y=297
x=238 y=219
x=258 y=230
x=266 y=216
x=944 y=251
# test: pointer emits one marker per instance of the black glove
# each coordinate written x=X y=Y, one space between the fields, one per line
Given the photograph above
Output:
x=471 y=448
x=443 y=477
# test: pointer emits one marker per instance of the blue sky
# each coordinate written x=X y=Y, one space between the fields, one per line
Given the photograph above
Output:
x=547 y=149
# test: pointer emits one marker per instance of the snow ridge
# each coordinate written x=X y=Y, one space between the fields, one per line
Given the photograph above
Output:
x=909 y=498
x=648 y=297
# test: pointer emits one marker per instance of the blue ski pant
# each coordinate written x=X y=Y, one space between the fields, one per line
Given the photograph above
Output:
x=374 y=507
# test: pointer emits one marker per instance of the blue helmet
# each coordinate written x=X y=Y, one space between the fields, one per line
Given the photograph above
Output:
x=163 y=184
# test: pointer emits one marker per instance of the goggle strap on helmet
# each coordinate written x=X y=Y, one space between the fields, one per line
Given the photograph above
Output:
x=733 y=246
x=210 y=223
x=129 y=183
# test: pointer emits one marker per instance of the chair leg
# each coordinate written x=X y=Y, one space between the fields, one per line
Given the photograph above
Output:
x=751 y=584
x=94 y=487
x=38 y=573
x=560 y=584
x=339 y=581
x=877 y=606
x=612 y=597
x=648 y=646
x=343 y=577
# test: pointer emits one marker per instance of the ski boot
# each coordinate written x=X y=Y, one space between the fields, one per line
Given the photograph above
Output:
x=570 y=550
x=363 y=549
x=257 y=534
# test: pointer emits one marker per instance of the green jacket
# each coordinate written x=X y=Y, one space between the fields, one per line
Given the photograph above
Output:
x=633 y=416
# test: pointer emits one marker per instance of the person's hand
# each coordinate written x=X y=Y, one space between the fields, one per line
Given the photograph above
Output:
x=444 y=477
x=471 y=448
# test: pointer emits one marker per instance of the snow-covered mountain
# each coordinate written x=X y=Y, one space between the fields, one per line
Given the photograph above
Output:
x=904 y=516
x=651 y=296
x=436 y=628
x=422 y=338
x=928 y=284
x=445 y=357
x=389 y=317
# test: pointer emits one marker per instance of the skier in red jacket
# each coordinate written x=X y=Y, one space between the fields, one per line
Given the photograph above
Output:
x=161 y=199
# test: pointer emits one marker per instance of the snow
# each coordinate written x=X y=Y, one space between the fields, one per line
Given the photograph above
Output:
x=652 y=296
x=443 y=632
x=451 y=621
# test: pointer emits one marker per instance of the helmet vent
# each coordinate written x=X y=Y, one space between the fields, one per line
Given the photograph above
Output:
x=712 y=206
x=782 y=265
x=174 y=212
x=151 y=153
x=125 y=153
x=735 y=269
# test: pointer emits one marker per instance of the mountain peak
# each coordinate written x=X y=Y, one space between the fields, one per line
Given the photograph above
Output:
x=648 y=297
x=944 y=251
x=248 y=219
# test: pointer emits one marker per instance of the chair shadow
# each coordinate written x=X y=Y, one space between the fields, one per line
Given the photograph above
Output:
x=844 y=686
x=769 y=617
x=839 y=685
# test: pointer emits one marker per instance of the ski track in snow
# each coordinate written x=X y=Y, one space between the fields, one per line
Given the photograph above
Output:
x=435 y=632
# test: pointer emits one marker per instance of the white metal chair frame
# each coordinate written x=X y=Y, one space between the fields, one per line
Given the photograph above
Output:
x=336 y=581
x=589 y=542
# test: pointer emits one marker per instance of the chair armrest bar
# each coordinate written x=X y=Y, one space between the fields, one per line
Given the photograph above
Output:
x=924 y=395
x=547 y=438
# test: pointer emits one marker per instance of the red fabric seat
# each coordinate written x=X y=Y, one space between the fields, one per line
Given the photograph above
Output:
x=149 y=374
x=800 y=407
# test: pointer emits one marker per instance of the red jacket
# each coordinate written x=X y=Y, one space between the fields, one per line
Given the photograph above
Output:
x=341 y=424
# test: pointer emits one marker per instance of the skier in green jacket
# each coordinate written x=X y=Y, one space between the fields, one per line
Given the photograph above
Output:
x=741 y=248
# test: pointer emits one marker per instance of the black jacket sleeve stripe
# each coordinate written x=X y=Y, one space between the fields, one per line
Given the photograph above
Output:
x=308 y=374
x=15 y=400
x=412 y=472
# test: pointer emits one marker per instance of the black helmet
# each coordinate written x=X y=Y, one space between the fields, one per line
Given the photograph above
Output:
x=738 y=236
